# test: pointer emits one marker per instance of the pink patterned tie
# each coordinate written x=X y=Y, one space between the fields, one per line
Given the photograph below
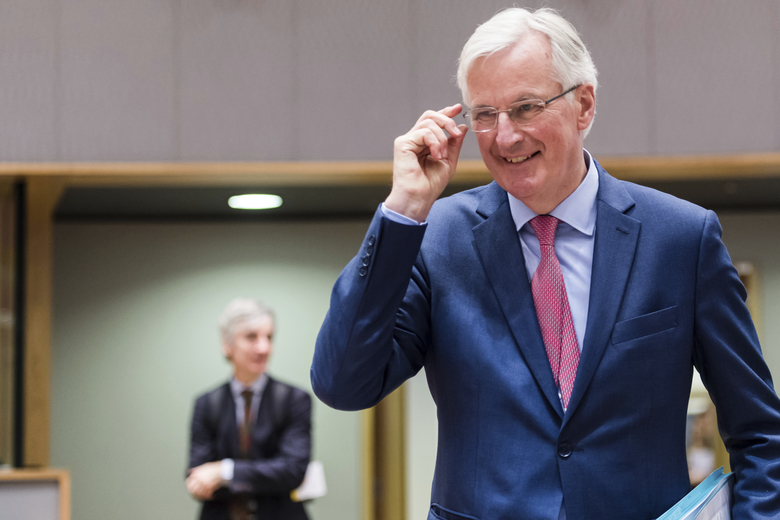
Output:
x=552 y=310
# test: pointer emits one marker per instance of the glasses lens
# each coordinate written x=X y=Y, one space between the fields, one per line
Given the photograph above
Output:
x=526 y=110
x=483 y=119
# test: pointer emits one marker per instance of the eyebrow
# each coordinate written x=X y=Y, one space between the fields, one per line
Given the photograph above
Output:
x=526 y=97
x=521 y=97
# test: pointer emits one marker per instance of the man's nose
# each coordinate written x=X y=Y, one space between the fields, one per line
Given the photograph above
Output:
x=507 y=131
x=263 y=345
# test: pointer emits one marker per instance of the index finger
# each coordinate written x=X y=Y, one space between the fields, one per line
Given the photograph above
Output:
x=451 y=111
x=444 y=119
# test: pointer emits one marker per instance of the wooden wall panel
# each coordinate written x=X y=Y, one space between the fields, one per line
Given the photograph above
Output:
x=117 y=88
x=89 y=80
x=42 y=195
x=8 y=285
x=353 y=78
x=28 y=80
x=715 y=70
x=390 y=461
x=774 y=18
x=619 y=37
x=238 y=88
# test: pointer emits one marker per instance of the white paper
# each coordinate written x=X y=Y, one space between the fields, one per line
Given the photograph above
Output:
x=313 y=485
x=710 y=500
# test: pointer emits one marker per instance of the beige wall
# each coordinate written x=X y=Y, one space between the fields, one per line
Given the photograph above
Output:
x=339 y=79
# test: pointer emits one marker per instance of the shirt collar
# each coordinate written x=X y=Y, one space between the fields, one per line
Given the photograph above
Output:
x=236 y=387
x=577 y=210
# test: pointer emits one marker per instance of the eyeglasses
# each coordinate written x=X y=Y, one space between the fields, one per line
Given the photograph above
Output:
x=485 y=119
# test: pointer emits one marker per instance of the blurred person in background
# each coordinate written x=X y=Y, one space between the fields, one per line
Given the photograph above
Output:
x=251 y=437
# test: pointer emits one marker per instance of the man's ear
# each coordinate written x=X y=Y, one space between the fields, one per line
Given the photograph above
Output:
x=586 y=97
x=227 y=350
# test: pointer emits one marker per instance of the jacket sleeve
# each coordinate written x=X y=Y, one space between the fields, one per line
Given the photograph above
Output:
x=202 y=436
x=375 y=333
x=284 y=471
x=728 y=356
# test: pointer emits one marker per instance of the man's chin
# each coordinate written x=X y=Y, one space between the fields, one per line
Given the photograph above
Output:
x=254 y=371
x=519 y=183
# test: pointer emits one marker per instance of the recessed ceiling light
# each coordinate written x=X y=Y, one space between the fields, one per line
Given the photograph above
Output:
x=255 y=201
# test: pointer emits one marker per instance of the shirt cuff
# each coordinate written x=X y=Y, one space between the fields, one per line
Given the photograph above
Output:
x=398 y=218
x=226 y=469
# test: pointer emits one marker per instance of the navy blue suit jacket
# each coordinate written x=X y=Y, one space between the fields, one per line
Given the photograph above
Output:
x=280 y=448
x=454 y=297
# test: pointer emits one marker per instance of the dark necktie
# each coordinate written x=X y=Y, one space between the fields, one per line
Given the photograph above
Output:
x=552 y=310
x=245 y=432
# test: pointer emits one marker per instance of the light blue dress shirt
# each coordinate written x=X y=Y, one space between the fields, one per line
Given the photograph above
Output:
x=574 y=240
x=236 y=388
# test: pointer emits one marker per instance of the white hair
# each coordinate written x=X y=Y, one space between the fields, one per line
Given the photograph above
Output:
x=572 y=64
x=240 y=310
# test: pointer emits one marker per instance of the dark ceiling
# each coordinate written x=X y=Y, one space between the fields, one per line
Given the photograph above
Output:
x=306 y=202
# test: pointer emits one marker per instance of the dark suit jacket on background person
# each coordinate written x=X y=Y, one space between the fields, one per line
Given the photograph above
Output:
x=453 y=296
x=280 y=448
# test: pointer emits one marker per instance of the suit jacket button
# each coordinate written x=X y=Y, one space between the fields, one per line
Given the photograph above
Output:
x=366 y=260
x=372 y=240
x=369 y=250
x=363 y=271
x=564 y=450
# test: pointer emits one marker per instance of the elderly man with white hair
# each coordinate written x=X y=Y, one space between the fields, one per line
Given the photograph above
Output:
x=558 y=312
x=250 y=437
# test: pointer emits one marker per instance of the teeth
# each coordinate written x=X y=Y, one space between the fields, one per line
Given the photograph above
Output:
x=518 y=159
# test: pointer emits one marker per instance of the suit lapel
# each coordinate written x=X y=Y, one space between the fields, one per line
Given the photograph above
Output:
x=498 y=247
x=264 y=422
x=228 y=420
x=613 y=255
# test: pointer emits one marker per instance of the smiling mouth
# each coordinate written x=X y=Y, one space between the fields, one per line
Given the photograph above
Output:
x=516 y=160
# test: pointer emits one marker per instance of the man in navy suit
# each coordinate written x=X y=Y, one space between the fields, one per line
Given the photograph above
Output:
x=251 y=437
x=585 y=421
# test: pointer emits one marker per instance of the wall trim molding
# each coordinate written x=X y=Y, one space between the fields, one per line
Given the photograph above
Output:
x=334 y=173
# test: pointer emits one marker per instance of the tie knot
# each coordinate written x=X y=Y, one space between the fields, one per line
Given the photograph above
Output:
x=247 y=395
x=544 y=227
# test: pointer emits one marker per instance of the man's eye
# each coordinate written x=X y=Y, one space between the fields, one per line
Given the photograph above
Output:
x=525 y=111
x=483 y=115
